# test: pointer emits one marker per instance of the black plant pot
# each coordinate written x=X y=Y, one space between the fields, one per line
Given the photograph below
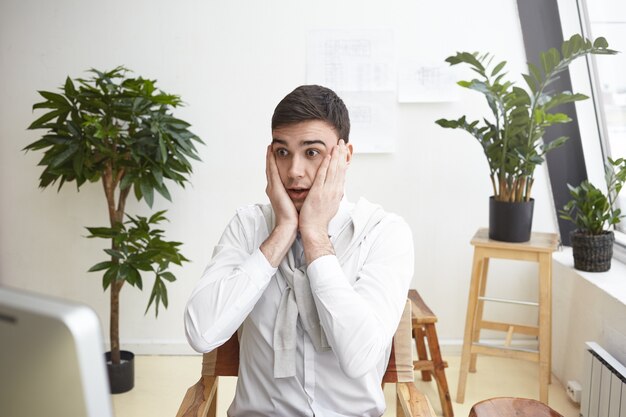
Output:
x=592 y=253
x=510 y=222
x=122 y=376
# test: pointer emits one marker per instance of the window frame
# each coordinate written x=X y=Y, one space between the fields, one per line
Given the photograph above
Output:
x=602 y=139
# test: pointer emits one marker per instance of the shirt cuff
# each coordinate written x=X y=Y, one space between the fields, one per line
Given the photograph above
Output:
x=326 y=272
x=258 y=268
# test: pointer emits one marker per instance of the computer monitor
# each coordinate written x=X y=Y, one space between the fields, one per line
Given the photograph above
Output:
x=51 y=358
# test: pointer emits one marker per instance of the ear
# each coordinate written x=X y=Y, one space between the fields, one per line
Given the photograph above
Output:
x=349 y=155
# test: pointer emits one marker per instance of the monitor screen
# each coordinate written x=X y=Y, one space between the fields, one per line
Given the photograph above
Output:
x=51 y=358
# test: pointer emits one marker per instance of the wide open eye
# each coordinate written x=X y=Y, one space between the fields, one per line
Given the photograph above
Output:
x=312 y=153
x=282 y=152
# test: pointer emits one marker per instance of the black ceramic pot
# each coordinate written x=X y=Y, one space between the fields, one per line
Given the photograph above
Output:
x=592 y=253
x=122 y=376
x=510 y=222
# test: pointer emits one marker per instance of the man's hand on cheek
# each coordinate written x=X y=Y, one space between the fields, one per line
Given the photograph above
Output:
x=284 y=210
x=281 y=238
x=323 y=200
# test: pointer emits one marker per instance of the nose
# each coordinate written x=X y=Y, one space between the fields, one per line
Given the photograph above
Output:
x=296 y=168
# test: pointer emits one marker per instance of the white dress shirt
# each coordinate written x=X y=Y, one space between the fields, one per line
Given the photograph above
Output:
x=359 y=304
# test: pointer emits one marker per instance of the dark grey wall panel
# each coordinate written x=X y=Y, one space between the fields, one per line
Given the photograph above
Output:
x=541 y=30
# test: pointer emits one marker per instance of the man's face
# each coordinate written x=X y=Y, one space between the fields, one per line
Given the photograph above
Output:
x=299 y=150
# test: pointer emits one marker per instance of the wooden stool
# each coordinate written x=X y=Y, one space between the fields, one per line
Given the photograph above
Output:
x=425 y=335
x=539 y=249
x=512 y=407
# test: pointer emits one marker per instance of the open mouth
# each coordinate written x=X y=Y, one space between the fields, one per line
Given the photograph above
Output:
x=298 y=193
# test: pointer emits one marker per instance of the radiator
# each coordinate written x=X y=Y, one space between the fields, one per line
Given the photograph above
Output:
x=604 y=384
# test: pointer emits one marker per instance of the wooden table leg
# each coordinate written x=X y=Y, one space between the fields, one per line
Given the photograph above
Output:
x=469 y=323
x=545 y=325
x=482 y=287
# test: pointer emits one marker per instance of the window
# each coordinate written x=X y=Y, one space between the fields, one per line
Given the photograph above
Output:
x=608 y=18
x=607 y=76
x=598 y=129
x=603 y=119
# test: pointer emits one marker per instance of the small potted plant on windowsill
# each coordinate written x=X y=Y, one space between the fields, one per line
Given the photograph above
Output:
x=593 y=213
x=512 y=139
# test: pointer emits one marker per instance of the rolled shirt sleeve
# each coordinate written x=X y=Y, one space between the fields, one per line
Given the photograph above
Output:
x=229 y=288
x=360 y=318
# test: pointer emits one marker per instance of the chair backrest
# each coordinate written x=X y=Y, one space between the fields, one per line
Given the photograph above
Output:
x=400 y=367
x=224 y=361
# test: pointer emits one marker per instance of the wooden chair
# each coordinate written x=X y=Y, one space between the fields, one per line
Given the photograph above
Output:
x=430 y=362
x=201 y=399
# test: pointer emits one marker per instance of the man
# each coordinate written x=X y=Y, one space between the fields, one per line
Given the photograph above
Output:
x=316 y=283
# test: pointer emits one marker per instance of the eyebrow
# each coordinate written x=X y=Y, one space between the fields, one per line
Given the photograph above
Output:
x=303 y=143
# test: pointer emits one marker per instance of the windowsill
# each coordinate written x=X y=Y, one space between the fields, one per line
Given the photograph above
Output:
x=612 y=282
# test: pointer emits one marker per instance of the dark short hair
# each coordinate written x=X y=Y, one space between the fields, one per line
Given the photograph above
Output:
x=313 y=102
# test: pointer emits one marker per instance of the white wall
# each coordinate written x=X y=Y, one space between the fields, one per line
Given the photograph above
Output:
x=232 y=62
x=588 y=306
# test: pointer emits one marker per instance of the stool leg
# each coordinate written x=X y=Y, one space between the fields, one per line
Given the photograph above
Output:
x=545 y=325
x=440 y=374
x=479 y=309
x=469 y=324
x=420 y=346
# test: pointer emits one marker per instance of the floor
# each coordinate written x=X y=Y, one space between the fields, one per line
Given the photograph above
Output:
x=161 y=382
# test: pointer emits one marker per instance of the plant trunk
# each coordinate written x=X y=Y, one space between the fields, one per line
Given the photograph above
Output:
x=114 y=328
x=529 y=186
x=503 y=190
x=116 y=216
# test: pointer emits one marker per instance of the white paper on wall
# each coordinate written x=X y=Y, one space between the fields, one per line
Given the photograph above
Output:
x=359 y=65
x=421 y=83
x=372 y=121
x=351 y=60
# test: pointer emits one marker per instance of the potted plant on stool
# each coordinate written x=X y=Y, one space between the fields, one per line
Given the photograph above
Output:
x=119 y=130
x=594 y=213
x=512 y=140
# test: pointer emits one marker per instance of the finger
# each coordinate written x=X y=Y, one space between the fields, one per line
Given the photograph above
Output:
x=340 y=164
x=273 y=168
x=273 y=177
x=340 y=178
x=334 y=165
x=338 y=181
x=267 y=163
x=342 y=154
x=322 y=172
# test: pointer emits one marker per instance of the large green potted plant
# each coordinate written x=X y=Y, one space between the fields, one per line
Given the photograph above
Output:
x=594 y=213
x=119 y=130
x=512 y=138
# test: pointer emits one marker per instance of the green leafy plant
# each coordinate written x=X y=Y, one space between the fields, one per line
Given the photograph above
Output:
x=119 y=130
x=512 y=140
x=592 y=211
x=139 y=248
